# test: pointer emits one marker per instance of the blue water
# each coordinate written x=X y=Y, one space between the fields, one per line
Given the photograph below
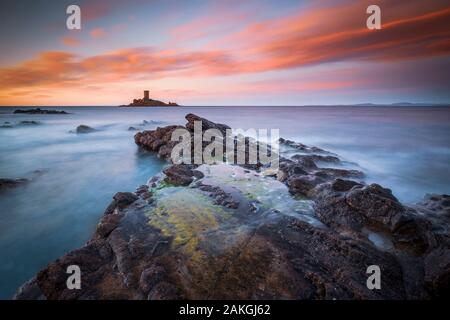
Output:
x=404 y=148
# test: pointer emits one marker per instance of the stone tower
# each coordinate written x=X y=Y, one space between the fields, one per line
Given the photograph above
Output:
x=146 y=95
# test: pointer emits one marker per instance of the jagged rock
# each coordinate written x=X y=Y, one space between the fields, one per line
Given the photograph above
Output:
x=206 y=124
x=305 y=161
x=181 y=174
x=120 y=200
x=361 y=205
x=154 y=140
x=375 y=208
x=300 y=146
x=303 y=184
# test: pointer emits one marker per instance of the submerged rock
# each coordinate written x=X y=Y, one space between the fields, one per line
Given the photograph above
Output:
x=29 y=122
x=8 y=124
x=84 y=129
x=12 y=183
x=6 y=183
x=40 y=111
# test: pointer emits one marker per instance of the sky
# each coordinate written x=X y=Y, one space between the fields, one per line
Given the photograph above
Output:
x=224 y=52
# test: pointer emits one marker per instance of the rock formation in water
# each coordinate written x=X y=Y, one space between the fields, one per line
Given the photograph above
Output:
x=7 y=183
x=84 y=129
x=40 y=111
x=147 y=102
x=231 y=232
x=24 y=123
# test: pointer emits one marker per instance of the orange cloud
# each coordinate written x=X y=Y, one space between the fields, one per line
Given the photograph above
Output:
x=97 y=33
x=317 y=35
x=70 y=41
x=415 y=37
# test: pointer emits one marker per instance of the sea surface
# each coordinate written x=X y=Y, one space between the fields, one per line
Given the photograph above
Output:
x=74 y=176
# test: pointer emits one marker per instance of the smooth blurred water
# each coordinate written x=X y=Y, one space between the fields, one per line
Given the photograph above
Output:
x=403 y=148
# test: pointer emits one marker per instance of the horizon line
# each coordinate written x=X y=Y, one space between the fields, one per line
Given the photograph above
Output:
x=368 y=104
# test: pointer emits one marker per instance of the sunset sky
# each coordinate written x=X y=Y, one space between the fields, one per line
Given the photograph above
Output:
x=224 y=52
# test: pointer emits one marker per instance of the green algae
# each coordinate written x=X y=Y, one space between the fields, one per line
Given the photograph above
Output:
x=184 y=213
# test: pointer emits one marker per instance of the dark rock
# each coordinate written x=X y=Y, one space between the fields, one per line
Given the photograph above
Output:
x=341 y=185
x=123 y=199
x=181 y=174
x=206 y=124
x=303 y=184
x=12 y=183
x=154 y=140
x=40 y=111
x=305 y=161
x=375 y=208
x=29 y=122
x=437 y=272
x=120 y=201
x=376 y=204
x=84 y=129
x=132 y=129
x=331 y=173
x=150 y=277
x=301 y=147
x=361 y=205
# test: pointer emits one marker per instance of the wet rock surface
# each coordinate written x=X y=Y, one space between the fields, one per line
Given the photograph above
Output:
x=230 y=232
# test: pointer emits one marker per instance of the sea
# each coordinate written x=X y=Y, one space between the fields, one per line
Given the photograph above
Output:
x=74 y=176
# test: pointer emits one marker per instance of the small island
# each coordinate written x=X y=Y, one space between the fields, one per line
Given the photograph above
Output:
x=147 y=102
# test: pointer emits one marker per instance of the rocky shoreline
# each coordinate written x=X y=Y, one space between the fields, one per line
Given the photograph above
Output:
x=308 y=231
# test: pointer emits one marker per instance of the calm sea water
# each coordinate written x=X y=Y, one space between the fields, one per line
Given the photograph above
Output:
x=404 y=148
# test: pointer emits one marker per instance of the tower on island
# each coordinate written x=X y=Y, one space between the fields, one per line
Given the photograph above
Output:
x=147 y=102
